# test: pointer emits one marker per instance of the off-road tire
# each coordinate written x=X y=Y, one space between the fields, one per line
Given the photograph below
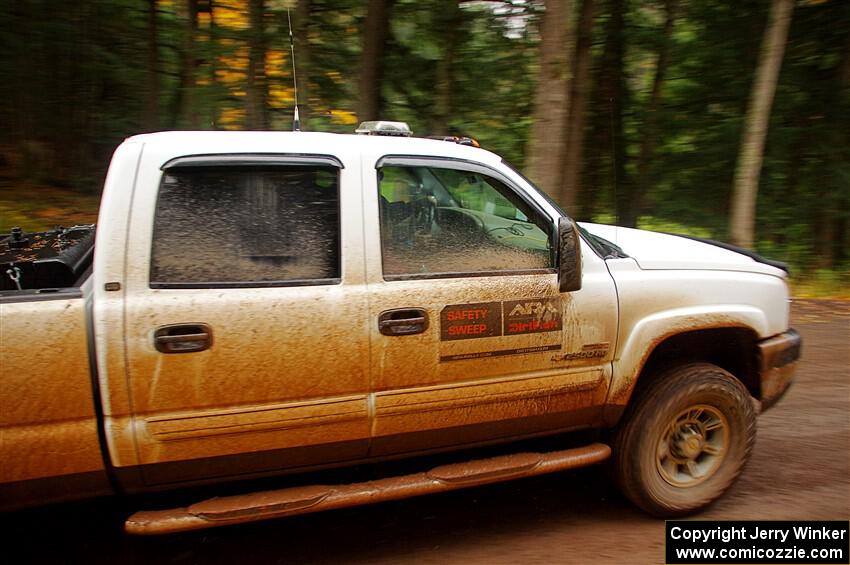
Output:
x=639 y=440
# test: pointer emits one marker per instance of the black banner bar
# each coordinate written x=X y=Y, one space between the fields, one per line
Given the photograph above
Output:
x=757 y=542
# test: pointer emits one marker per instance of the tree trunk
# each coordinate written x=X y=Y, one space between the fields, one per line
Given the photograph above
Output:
x=151 y=120
x=256 y=93
x=546 y=144
x=594 y=171
x=751 y=154
x=600 y=172
x=182 y=111
x=448 y=22
x=371 y=60
x=574 y=128
x=842 y=225
x=214 y=100
x=613 y=61
x=302 y=59
x=189 y=102
x=648 y=133
x=832 y=213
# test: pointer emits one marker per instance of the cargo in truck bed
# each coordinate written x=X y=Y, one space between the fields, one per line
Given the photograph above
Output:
x=50 y=259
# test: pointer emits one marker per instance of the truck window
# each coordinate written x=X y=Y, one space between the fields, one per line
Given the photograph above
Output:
x=437 y=220
x=246 y=226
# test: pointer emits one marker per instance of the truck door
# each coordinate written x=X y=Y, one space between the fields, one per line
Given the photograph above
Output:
x=246 y=332
x=471 y=339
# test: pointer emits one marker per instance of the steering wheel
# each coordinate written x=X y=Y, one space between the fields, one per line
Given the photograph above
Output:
x=512 y=229
x=424 y=215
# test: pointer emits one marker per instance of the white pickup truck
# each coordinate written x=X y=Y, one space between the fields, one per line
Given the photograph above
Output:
x=264 y=303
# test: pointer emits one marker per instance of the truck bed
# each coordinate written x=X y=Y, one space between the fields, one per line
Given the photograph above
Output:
x=48 y=425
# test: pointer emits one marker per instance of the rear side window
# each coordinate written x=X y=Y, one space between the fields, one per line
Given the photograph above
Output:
x=246 y=226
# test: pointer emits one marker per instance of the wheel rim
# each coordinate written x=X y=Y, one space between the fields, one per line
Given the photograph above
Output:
x=693 y=446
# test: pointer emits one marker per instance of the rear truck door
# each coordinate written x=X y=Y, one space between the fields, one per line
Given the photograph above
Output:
x=246 y=333
x=471 y=338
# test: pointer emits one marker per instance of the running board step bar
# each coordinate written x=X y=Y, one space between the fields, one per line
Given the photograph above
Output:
x=302 y=500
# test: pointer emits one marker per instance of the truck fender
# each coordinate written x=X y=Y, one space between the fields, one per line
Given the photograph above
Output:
x=642 y=337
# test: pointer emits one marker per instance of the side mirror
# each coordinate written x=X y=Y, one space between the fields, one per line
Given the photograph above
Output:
x=569 y=255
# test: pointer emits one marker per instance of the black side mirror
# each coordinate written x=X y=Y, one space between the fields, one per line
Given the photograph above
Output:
x=569 y=255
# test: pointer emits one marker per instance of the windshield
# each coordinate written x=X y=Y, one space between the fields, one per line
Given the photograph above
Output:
x=536 y=188
x=473 y=191
x=602 y=246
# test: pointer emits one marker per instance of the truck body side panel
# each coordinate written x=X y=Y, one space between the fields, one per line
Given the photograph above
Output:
x=658 y=304
x=48 y=426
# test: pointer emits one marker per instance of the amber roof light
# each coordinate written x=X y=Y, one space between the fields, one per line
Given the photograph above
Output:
x=384 y=128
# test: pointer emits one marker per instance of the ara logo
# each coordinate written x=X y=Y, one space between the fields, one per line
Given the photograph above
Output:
x=537 y=309
x=532 y=316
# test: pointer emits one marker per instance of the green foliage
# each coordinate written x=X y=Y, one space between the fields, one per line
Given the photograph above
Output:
x=34 y=208
x=491 y=84
x=495 y=86
x=77 y=80
x=670 y=226
x=821 y=283
x=70 y=72
x=804 y=196
x=334 y=51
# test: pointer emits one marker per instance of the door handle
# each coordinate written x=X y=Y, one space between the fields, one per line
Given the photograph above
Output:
x=183 y=338
x=403 y=321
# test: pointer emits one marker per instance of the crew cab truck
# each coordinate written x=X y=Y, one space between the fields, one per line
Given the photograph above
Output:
x=269 y=302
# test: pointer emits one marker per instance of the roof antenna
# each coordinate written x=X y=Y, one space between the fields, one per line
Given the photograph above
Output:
x=296 y=121
x=614 y=172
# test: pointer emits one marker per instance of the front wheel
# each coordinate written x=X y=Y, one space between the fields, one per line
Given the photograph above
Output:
x=684 y=440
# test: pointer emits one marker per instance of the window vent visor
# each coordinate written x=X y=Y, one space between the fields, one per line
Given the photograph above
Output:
x=251 y=159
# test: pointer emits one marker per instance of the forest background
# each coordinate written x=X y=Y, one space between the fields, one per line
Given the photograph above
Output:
x=727 y=119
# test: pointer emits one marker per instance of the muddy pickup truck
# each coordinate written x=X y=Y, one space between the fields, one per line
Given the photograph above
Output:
x=268 y=303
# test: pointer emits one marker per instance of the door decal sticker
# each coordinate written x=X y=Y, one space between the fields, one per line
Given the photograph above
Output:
x=501 y=319
x=532 y=316
x=470 y=321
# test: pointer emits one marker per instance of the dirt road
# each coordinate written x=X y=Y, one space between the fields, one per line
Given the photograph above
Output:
x=800 y=470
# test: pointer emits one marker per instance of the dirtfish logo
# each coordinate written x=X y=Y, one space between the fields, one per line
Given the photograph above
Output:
x=532 y=316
